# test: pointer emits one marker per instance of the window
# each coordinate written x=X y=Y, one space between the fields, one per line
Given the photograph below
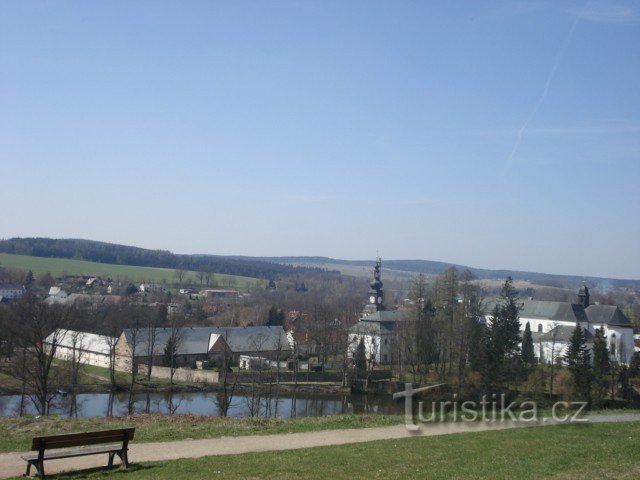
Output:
x=540 y=328
x=386 y=340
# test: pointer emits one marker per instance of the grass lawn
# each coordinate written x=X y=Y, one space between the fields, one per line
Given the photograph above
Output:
x=591 y=451
x=64 y=266
x=16 y=433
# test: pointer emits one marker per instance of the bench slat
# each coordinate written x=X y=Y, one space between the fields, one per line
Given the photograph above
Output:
x=76 y=452
x=82 y=438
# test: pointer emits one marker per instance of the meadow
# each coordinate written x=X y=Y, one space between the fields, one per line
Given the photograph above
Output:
x=58 y=267
x=590 y=451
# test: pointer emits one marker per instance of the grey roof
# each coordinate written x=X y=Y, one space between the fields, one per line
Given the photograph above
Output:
x=371 y=328
x=563 y=334
x=559 y=311
x=84 y=341
x=609 y=314
x=195 y=340
x=383 y=316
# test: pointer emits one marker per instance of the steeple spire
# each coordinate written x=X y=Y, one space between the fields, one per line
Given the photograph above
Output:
x=583 y=295
x=376 y=295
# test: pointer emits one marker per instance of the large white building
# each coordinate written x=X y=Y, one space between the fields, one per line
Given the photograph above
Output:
x=552 y=324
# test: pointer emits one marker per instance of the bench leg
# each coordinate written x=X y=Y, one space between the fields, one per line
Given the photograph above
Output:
x=111 y=455
x=124 y=458
x=39 y=466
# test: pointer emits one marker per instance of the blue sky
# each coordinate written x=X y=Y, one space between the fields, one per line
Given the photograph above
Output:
x=491 y=134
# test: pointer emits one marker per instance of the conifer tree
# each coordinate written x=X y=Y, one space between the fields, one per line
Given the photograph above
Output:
x=528 y=356
x=601 y=366
x=361 y=358
x=578 y=359
x=504 y=335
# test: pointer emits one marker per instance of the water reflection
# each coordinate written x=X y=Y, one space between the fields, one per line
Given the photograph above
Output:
x=203 y=403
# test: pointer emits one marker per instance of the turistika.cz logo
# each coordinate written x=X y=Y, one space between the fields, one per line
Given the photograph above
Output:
x=492 y=408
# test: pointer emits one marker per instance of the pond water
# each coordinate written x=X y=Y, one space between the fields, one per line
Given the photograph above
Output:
x=204 y=403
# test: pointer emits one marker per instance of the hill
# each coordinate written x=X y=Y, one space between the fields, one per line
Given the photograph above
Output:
x=404 y=268
x=110 y=253
x=59 y=267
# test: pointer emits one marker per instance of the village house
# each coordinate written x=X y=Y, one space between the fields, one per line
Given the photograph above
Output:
x=11 y=292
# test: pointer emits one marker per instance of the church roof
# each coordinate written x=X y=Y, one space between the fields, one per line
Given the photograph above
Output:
x=383 y=316
x=371 y=328
x=558 y=311
x=609 y=314
x=563 y=334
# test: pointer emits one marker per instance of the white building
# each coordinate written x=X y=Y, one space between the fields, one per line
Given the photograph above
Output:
x=11 y=292
x=552 y=324
x=90 y=348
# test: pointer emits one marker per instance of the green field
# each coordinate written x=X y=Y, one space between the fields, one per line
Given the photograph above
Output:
x=62 y=266
x=591 y=451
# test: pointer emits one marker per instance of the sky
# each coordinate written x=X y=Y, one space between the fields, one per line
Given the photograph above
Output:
x=490 y=134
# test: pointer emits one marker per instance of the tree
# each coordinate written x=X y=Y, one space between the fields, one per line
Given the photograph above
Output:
x=28 y=280
x=528 y=356
x=360 y=358
x=601 y=366
x=179 y=274
x=504 y=334
x=578 y=359
x=37 y=335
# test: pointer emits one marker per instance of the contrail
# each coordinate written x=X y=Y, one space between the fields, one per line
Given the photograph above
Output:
x=547 y=84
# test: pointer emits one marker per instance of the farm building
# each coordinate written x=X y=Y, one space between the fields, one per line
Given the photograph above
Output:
x=199 y=344
x=90 y=348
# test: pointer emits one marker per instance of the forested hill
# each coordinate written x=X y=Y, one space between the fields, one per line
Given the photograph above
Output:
x=429 y=267
x=125 y=255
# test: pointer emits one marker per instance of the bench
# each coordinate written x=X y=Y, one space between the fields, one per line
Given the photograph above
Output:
x=111 y=442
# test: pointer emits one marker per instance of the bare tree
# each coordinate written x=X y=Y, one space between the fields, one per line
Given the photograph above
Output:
x=37 y=336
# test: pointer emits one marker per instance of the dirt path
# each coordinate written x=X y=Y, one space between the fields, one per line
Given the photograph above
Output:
x=12 y=465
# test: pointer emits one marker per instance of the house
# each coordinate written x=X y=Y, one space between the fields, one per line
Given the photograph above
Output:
x=192 y=345
x=57 y=293
x=552 y=323
x=89 y=348
x=218 y=293
x=200 y=344
x=11 y=292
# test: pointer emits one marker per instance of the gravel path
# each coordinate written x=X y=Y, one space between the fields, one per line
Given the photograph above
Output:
x=12 y=465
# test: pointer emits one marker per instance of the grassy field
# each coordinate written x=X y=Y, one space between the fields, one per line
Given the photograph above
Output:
x=16 y=433
x=592 y=451
x=62 y=266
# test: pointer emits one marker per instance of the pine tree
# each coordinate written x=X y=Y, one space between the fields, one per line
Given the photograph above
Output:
x=601 y=366
x=578 y=359
x=361 y=358
x=504 y=335
x=528 y=356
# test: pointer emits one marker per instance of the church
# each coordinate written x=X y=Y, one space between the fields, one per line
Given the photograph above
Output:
x=552 y=324
x=376 y=326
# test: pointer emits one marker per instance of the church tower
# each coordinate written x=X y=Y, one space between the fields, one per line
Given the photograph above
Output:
x=583 y=295
x=376 y=295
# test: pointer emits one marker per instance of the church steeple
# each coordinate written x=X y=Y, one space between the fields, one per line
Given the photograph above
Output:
x=583 y=295
x=376 y=295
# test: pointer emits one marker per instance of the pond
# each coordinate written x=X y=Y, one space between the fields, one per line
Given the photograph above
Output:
x=205 y=403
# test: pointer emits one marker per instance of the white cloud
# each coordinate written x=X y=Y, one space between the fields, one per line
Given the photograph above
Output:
x=604 y=12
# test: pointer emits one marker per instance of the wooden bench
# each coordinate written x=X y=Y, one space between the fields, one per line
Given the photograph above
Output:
x=117 y=440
